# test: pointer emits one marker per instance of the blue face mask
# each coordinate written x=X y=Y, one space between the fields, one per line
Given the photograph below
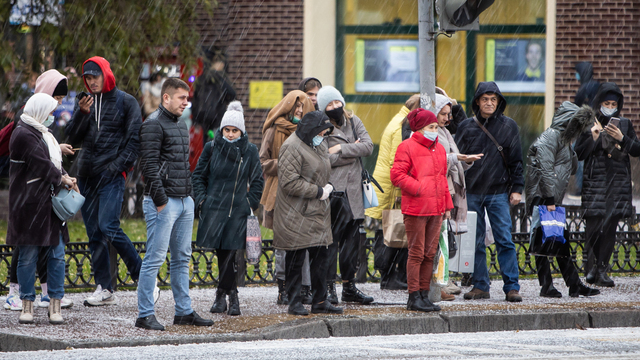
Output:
x=431 y=135
x=232 y=141
x=49 y=121
x=317 y=140
x=577 y=76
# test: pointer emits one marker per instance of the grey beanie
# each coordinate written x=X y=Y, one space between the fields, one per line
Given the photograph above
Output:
x=326 y=95
x=233 y=116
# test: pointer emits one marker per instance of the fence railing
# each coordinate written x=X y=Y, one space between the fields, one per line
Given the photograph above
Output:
x=204 y=262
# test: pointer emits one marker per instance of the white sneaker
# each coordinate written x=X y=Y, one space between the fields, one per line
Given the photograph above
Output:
x=156 y=293
x=100 y=297
x=64 y=302
x=13 y=302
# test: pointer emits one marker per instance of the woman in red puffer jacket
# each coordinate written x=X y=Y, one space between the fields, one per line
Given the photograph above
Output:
x=420 y=170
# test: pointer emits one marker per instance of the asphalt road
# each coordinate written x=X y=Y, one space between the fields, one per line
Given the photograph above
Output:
x=601 y=344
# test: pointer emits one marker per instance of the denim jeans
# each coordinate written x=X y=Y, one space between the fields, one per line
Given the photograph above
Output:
x=497 y=207
x=101 y=214
x=27 y=271
x=170 y=229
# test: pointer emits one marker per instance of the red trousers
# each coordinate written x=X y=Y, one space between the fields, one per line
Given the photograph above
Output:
x=423 y=233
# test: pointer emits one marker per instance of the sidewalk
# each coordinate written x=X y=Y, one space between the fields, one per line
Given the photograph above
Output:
x=88 y=327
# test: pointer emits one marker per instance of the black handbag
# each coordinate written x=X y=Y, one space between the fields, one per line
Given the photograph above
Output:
x=341 y=214
x=453 y=245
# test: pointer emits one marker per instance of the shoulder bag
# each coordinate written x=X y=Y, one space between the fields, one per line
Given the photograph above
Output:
x=66 y=203
x=368 y=194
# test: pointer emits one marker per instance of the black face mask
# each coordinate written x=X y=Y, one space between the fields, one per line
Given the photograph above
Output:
x=336 y=114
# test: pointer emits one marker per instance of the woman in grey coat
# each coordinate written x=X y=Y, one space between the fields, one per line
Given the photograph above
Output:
x=347 y=144
x=302 y=215
x=551 y=161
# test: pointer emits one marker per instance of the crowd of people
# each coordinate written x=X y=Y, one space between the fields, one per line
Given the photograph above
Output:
x=437 y=162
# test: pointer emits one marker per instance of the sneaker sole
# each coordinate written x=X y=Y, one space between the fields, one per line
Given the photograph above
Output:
x=9 y=307
x=102 y=303
x=66 y=306
x=478 y=297
x=25 y=322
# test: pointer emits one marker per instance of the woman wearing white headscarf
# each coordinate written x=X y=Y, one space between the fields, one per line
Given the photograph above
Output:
x=36 y=173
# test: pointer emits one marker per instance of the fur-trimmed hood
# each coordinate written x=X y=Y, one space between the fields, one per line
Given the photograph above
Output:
x=571 y=120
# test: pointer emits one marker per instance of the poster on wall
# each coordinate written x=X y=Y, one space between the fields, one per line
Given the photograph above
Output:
x=387 y=66
x=516 y=65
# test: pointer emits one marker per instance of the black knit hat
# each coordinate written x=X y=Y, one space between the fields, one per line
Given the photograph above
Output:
x=62 y=89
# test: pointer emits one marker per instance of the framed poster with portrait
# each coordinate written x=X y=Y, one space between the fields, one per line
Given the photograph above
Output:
x=517 y=65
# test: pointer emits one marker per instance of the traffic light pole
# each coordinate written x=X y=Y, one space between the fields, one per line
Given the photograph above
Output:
x=427 y=51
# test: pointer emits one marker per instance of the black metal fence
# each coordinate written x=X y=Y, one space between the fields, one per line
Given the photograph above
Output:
x=204 y=269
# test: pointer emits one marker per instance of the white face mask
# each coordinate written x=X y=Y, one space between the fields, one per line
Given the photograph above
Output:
x=49 y=121
x=431 y=135
x=607 y=112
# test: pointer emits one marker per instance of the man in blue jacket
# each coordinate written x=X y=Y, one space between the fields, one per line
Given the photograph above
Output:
x=105 y=124
x=493 y=182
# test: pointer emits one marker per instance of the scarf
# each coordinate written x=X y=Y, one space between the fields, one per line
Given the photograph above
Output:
x=55 y=154
x=284 y=128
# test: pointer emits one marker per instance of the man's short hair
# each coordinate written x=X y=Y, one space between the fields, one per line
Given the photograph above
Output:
x=172 y=84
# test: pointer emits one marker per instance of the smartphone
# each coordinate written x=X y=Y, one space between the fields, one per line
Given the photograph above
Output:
x=81 y=95
x=615 y=121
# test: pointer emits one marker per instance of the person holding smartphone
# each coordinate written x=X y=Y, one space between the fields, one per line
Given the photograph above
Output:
x=606 y=191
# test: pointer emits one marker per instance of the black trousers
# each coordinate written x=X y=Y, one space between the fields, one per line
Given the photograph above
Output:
x=600 y=236
x=41 y=266
x=318 y=269
x=228 y=269
x=567 y=268
x=347 y=243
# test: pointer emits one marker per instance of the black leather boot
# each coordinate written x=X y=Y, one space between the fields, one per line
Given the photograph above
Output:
x=415 y=302
x=305 y=294
x=331 y=293
x=220 y=303
x=234 y=303
x=427 y=303
x=603 y=278
x=580 y=289
x=283 y=298
x=350 y=293
x=592 y=276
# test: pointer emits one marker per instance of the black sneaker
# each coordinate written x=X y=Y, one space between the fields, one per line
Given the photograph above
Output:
x=297 y=309
x=551 y=292
x=325 y=307
x=191 y=319
x=581 y=289
x=149 y=323
x=350 y=293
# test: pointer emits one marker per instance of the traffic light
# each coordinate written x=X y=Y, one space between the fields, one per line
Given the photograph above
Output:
x=458 y=15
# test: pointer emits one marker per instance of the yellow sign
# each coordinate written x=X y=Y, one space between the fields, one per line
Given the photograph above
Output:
x=264 y=94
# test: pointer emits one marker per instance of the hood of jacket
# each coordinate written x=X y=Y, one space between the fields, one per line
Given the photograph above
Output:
x=603 y=90
x=571 y=120
x=441 y=101
x=311 y=125
x=585 y=70
x=484 y=88
x=305 y=80
x=109 y=79
x=47 y=82
x=285 y=106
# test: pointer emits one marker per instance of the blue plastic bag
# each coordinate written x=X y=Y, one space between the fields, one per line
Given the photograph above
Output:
x=553 y=224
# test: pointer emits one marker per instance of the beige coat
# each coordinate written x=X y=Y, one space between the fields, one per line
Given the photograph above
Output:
x=301 y=220
x=455 y=178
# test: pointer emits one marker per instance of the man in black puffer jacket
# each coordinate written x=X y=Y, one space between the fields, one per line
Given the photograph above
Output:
x=168 y=206
x=106 y=124
x=493 y=182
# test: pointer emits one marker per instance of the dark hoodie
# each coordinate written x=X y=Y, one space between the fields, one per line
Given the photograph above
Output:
x=311 y=125
x=588 y=86
x=109 y=133
x=304 y=82
x=489 y=174
x=606 y=187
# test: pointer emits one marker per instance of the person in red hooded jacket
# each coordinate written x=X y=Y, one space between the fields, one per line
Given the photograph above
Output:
x=420 y=171
x=106 y=125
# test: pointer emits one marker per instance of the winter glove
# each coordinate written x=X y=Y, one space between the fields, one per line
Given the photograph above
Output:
x=326 y=191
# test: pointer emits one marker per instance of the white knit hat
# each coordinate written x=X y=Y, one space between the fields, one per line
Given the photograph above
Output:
x=233 y=116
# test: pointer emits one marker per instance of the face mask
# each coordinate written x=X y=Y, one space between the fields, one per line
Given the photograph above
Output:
x=317 y=140
x=295 y=120
x=577 y=76
x=231 y=141
x=431 y=135
x=336 y=114
x=49 y=121
x=607 y=112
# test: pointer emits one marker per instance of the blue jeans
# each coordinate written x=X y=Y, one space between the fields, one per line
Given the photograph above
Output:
x=27 y=271
x=170 y=229
x=101 y=215
x=497 y=207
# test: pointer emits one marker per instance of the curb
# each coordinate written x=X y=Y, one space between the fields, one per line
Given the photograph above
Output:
x=324 y=327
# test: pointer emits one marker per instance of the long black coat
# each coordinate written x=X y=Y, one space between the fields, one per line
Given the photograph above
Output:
x=606 y=186
x=220 y=183
x=31 y=217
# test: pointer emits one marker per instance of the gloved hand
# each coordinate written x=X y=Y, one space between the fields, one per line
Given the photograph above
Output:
x=326 y=191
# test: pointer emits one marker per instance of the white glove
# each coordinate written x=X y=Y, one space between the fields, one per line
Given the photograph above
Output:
x=326 y=191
